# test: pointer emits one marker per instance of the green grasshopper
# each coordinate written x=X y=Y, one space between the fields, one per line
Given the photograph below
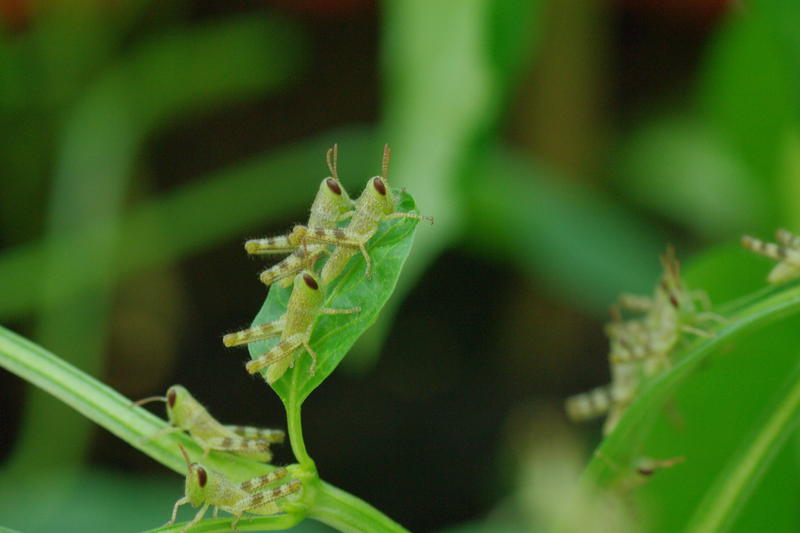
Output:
x=187 y=414
x=205 y=487
x=331 y=205
x=294 y=329
x=786 y=252
x=671 y=311
x=375 y=205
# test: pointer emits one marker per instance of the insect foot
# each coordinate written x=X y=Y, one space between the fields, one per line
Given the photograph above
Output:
x=294 y=329
x=331 y=205
x=205 y=487
x=376 y=204
x=786 y=252
x=185 y=413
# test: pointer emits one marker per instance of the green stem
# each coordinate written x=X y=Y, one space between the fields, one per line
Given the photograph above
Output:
x=223 y=525
x=346 y=513
x=295 y=427
x=108 y=408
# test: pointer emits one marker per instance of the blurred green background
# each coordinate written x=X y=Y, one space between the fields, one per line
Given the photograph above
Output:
x=559 y=145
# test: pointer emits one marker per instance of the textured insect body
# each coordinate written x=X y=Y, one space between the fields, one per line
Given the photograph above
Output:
x=294 y=328
x=185 y=413
x=375 y=205
x=786 y=252
x=671 y=311
x=331 y=205
x=205 y=487
x=640 y=347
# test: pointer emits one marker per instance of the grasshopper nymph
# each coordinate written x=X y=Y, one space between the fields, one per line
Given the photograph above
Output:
x=670 y=312
x=376 y=204
x=331 y=205
x=294 y=329
x=205 y=487
x=786 y=252
x=187 y=414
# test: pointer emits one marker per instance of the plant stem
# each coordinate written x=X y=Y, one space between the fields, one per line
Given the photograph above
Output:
x=349 y=514
x=295 y=428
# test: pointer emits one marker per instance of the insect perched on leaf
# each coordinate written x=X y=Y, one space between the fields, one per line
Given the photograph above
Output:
x=671 y=311
x=205 y=487
x=786 y=252
x=187 y=414
x=331 y=205
x=294 y=329
x=641 y=347
x=375 y=205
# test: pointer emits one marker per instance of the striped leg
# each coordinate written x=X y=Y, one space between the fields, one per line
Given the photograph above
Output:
x=250 y=432
x=252 y=485
x=787 y=238
x=256 y=333
x=282 y=350
x=270 y=245
x=262 y=502
x=256 y=449
x=299 y=259
x=767 y=249
x=341 y=237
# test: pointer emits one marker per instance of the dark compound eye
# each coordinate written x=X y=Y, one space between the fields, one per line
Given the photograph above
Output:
x=673 y=300
x=379 y=186
x=171 y=397
x=202 y=477
x=645 y=471
x=310 y=281
x=333 y=186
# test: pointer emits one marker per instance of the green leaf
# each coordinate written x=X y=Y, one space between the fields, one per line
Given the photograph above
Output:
x=727 y=406
x=334 y=334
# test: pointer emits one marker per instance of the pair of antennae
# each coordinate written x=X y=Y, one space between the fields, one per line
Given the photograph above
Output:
x=333 y=155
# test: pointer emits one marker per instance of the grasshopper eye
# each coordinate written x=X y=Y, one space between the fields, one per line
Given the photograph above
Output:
x=310 y=281
x=643 y=470
x=202 y=476
x=171 y=397
x=379 y=186
x=333 y=186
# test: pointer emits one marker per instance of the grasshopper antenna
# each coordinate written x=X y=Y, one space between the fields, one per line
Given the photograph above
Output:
x=332 y=156
x=186 y=456
x=150 y=399
x=387 y=156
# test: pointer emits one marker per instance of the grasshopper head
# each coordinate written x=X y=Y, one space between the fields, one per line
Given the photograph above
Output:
x=179 y=404
x=197 y=479
x=307 y=289
x=331 y=197
x=379 y=194
x=671 y=287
